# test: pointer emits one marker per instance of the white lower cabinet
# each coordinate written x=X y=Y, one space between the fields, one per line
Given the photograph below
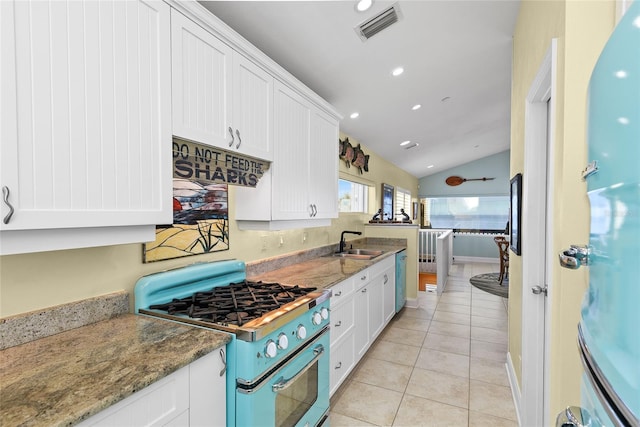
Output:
x=192 y=396
x=361 y=307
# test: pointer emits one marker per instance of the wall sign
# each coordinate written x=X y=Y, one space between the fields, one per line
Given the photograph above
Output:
x=201 y=175
x=193 y=161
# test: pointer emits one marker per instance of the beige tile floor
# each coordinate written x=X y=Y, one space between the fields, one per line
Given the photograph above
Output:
x=441 y=364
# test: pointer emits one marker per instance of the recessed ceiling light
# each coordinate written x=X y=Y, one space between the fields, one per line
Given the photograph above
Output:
x=363 y=5
x=354 y=115
x=429 y=167
x=396 y=72
x=405 y=143
x=621 y=74
x=416 y=107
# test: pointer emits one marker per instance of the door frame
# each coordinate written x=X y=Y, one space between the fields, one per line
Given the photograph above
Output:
x=538 y=179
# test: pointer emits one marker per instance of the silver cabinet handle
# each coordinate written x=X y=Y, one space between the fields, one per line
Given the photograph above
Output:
x=337 y=325
x=363 y=278
x=338 y=366
x=224 y=362
x=239 y=139
x=232 y=137
x=337 y=294
x=386 y=278
x=591 y=169
x=364 y=291
x=311 y=210
x=573 y=416
x=575 y=257
x=5 y=197
x=315 y=210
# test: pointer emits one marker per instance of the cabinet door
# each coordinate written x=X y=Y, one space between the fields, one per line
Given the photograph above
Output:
x=290 y=170
x=155 y=405
x=342 y=361
x=208 y=390
x=376 y=301
x=252 y=109
x=323 y=189
x=341 y=320
x=201 y=68
x=85 y=112
x=361 y=331
x=389 y=294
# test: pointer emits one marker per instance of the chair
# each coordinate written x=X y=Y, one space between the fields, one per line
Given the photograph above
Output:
x=503 y=247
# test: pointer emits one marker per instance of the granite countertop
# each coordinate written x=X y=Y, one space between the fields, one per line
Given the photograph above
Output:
x=65 y=378
x=326 y=271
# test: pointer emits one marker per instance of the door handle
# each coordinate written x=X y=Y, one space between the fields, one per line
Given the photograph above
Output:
x=575 y=257
x=539 y=290
x=283 y=384
x=573 y=416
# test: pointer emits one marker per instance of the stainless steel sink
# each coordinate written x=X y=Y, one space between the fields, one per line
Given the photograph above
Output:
x=363 y=254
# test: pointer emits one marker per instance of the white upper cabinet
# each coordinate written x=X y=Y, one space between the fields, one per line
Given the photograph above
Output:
x=302 y=183
x=290 y=178
x=220 y=98
x=323 y=165
x=252 y=109
x=201 y=67
x=85 y=123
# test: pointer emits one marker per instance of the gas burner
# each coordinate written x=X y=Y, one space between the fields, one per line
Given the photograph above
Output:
x=236 y=303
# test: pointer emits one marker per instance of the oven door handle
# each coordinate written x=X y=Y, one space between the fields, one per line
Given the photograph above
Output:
x=283 y=384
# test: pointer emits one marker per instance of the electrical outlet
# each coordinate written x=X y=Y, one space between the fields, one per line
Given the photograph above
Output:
x=264 y=243
x=281 y=240
x=304 y=237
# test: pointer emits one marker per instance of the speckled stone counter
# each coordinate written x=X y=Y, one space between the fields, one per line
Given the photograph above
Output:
x=65 y=378
x=326 y=271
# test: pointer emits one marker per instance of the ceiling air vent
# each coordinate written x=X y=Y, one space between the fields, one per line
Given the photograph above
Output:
x=383 y=20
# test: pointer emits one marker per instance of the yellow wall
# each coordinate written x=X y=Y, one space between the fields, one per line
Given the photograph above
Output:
x=36 y=281
x=582 y=28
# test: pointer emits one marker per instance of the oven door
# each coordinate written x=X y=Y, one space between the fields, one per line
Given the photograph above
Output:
x=295 y=394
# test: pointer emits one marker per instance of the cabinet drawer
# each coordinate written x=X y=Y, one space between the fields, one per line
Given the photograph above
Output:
x=341 y=320
x=341 y=363
x=361 y=278
x=341 y=291
x=381 y=266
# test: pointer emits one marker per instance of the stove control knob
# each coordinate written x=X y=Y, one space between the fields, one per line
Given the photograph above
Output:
x=324 y=313
x=283 y=341
x=270 y=349
x=301 y=333
x=316 y=319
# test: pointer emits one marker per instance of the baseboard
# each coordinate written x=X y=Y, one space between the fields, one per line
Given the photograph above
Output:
x=515 y=389
x=476 y=259
x=411 y=303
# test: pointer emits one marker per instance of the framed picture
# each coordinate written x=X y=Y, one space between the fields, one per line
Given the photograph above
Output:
x=387 y=202
x=515 y=217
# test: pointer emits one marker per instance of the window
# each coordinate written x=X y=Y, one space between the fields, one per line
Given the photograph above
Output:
x=352 y=196
x=467 y=213
x=403 y=201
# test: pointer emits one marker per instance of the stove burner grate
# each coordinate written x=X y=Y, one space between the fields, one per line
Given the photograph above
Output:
x=236 y=303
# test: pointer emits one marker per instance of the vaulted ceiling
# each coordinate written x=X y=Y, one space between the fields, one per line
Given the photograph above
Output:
x=456 y=57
